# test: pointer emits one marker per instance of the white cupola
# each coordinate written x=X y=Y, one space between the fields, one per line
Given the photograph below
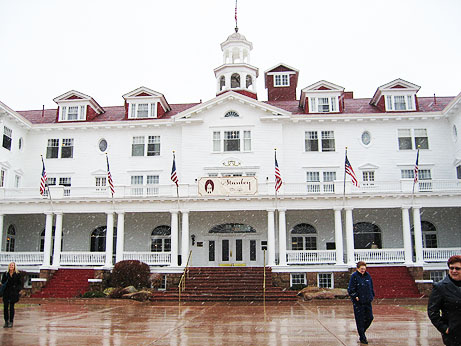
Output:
x=236 y=73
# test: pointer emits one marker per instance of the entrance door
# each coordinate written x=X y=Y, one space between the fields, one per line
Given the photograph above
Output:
x=235 y=252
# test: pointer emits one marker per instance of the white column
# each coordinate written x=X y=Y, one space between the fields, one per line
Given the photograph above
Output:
x=2 y=217
x=174 y=238
x=418 y=235
x=109 y=239
x=184 y=237
x=282 y=238
x=407 y=235
x=350 y=237
x=120 y=237
x=57 y=241
x=48 y=237
x=339 y=237
x=270 y=238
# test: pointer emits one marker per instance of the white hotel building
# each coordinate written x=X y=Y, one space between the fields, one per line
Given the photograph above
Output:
x=311 y=226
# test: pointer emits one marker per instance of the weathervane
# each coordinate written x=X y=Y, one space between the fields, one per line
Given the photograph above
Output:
x=236 y=27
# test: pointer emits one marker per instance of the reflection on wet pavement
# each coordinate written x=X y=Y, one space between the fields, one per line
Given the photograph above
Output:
x=114 y=323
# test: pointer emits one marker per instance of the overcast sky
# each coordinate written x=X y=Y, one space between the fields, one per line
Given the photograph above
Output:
x=106 y=48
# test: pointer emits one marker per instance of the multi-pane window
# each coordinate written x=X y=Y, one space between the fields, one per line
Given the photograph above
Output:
x=10 y=238
x=137 y=182
x=17 y=181
x=315 y=185
x=151 y=188
x=7 y=135
x=407 y=173
x=311 y=141
x=2 y=177
x=458 y=172
x=67 y=149
x=142 y=110
x=303 y=237
x=297 y=279
x=368 y=178
x=101 y=183
x=152 y=182
x=328 y=181
x=281 y=80
x=325 y=280
x=430 y=240
x=437 y=275
x=406 y=142
x=161 y=239
x=231 y=141
x=313 y=181
x=153 y=146
x=323 y=104
x=400 y=103
x=71 y=113
x=52 y=149
x=138 y=146
x=66 y=182
x=328 y=141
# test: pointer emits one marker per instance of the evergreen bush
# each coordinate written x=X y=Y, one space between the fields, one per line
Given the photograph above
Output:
x=130 y=273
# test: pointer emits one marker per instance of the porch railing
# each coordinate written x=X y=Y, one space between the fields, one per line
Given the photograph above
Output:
x=22 y=258
x=264 y=188
x=83 y=258
x=311 y=256
x=440 y=254
x=380 y=255
x=150 y=258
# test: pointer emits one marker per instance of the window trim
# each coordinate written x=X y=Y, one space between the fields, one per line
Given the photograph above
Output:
x=314 y=103
x=151 y=109
x=81 y=112
x=304 y=279
x=281 y=83
x=145 y=145
x=320 y=137
x=409 y=101
x=412 y=136
x=218 y=139
x=332 y=280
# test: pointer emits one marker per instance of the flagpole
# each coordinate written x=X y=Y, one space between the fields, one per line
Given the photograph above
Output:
x=415 y=179
x=344 y=183
x=47 y=186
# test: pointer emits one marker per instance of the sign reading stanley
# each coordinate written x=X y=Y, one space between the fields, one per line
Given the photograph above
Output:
x=227 y=186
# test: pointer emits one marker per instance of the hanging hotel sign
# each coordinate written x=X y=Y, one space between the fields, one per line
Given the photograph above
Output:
x=227 y=186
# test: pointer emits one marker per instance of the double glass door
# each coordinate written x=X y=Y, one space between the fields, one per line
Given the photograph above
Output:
x=233 y=251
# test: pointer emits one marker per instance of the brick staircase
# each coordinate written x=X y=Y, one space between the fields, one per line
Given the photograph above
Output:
x=66 y=283
x=227 y=284
x=393 y=282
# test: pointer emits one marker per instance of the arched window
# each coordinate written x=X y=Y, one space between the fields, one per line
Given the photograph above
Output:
x=222 y=83
x=10 y=238
x=235 y=81
x=303 y=237
x=161 y=239
x=367 y=236
x=429 y=235
x=98 y=239
x=249 y=81
x=42 y=240
x=232 y=228
x=231 y=114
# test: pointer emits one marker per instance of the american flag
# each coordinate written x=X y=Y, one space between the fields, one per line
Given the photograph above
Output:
x=43 y=179
x=416 y=168
x=109 y=178
x=350 y=171
x=278 y=176
x=174 y=176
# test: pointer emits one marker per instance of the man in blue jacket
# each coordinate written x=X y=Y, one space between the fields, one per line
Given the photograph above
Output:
x=361 y=291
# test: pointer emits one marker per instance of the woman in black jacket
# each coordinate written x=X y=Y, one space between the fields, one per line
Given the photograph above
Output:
x=11 y=293
x=444 y=306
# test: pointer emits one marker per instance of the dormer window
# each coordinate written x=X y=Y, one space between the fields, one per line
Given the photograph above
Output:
x=143 y=110
x=72 y=113
x=323 y=104
x=281 y=80
x=400 y=103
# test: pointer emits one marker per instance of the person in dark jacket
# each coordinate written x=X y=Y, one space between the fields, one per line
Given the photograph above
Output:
x=361 y=292
x=444 y=306
x=11 y=293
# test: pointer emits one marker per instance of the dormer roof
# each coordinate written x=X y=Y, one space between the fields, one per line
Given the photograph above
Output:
x=397 y=84
x=146 y=93
x=281 y=67
x=76 y=96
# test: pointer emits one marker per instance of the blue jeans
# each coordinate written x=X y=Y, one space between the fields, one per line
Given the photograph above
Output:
x=363 y=314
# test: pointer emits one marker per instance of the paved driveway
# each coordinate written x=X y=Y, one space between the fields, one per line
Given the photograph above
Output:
x=115 y=322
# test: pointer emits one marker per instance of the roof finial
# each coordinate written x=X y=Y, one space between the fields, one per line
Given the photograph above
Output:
x=236 y=27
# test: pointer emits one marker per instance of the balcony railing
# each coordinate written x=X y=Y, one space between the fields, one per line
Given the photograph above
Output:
x=264 y=189
x=83 y=258
x=150 y=258
x=21 y=258
x=440 y=254
x=379 y=255
x=311 y=256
